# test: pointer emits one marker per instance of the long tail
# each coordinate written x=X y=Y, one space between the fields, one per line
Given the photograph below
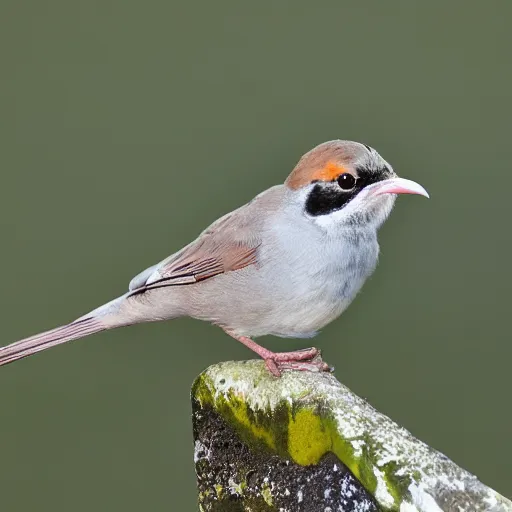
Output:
x=77 y=329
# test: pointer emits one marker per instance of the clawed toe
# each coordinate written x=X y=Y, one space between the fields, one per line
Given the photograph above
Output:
x=305 y=366
x=272 y=367
x=306 y=354
x=305 y=360
x=308 y=360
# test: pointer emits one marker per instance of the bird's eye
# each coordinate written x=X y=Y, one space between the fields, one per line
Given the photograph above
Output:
x=346 y=181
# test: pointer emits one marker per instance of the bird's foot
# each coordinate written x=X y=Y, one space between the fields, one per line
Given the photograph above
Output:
x=307 y=360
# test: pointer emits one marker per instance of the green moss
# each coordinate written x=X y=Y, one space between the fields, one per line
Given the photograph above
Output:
x=308 y=437
x=205 y=494
x=252 y=426
x=266 y=494
x=237 y=488
x=301 y=433
x=397 y=486
x=345 y=452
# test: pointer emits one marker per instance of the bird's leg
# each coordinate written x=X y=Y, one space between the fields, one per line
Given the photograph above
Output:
x=303 y=360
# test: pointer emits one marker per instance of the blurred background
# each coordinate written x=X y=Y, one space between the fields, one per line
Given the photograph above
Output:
x=127 y=127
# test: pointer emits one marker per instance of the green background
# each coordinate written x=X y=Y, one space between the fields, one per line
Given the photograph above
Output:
x=127 y=127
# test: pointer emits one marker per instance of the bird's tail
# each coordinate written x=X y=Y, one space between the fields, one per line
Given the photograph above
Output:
x=73 y=331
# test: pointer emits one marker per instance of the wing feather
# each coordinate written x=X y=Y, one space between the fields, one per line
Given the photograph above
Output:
x=229 y=244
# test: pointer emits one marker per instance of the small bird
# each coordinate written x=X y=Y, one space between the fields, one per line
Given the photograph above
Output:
x=287 y=263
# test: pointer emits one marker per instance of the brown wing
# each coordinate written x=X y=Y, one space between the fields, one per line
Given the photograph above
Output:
x=229 y=244
x=226 y=245
x=206 y=258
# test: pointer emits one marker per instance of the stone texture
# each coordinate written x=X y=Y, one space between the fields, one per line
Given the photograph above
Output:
x=305 y=442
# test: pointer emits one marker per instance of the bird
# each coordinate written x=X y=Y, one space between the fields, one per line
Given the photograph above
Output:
x=287 y=263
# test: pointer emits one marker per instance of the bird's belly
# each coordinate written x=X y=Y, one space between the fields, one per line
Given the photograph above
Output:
x=288 y=301
x=306 y=313
x=321 y=294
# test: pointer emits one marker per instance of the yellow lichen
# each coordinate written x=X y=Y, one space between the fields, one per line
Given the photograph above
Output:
x=344 y=451
x=219 y=490
x=239 y=411
x=266 y=494
x=308 y=439
x=307 y=436
x=237 y=488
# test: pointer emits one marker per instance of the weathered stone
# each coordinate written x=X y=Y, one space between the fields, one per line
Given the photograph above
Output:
x=305 y=442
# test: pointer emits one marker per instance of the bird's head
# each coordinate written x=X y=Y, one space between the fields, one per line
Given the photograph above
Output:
x=347 y=183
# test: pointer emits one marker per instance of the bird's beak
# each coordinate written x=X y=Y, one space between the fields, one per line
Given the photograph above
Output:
x=397 y=186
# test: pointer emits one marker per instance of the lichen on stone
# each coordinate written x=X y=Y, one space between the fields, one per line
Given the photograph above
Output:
x=255 y=479
x=303 y=416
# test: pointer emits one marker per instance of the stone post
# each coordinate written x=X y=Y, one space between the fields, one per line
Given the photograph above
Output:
x=305 y=442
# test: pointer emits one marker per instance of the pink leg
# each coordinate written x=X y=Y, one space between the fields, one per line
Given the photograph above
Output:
x=303 y=360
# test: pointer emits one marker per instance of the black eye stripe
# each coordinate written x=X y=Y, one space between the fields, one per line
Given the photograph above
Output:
x=326 y=198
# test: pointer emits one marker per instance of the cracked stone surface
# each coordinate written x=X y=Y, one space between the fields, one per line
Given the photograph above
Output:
x=305 y=442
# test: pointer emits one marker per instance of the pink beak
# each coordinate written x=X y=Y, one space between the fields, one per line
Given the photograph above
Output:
x=397 y=186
